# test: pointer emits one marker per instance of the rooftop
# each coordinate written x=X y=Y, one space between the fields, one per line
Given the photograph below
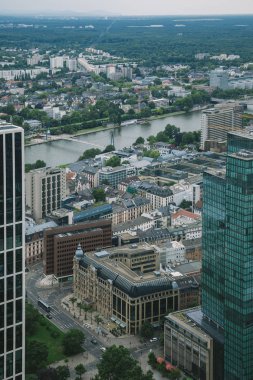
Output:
x=133 y=283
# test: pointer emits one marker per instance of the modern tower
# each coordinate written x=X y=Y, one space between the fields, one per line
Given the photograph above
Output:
x=227 y=275
x=12 y=280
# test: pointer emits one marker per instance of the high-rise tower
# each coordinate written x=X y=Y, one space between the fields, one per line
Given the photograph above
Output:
x=12 y=281
x=227 y=280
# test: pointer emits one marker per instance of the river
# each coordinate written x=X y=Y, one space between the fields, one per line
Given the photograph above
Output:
x=64 y=152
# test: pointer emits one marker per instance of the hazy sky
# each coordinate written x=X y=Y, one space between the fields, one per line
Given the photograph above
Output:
x=131 y=7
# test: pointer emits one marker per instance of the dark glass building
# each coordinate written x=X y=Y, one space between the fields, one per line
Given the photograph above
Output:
x=227 y=278
x=12 y=300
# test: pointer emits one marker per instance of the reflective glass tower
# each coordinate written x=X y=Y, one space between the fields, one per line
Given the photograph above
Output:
x=227 y=281
x=12 y=292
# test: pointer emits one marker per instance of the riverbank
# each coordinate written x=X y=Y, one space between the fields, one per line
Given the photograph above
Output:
x=89 y=131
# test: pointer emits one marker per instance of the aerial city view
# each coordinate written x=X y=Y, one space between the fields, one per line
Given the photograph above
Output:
x=126 y=190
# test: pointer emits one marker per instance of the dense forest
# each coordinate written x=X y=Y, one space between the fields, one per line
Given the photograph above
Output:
x=155 y=40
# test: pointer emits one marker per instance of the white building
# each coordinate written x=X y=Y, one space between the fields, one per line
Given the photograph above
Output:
x=57 y=62
x=45 y=188
x=219 y=79
x=181 y=191
x=171 y=252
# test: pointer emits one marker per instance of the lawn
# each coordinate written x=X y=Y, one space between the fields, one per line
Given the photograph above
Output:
x=49 y=334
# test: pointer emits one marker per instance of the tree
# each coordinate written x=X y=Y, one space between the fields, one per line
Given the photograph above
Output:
x=89 y=153
x=175 y=374
x=147 y=330
x=36 y=356
x=80 y=370
x=72 y=342
x=118 y=364
x=185 y=204
x=48 y=374
x=73 y=300
x=113 y=161
x=99 y=195
x=98 y=319
x=151 y=153
x=63 y=372
x=109 y=148
x=139 y=140
x=31 y=319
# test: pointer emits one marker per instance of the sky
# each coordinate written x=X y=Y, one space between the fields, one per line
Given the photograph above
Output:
x=129 y=7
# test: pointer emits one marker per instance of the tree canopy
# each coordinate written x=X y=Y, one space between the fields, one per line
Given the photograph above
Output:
x=99 y=194
x=72 y=342
x=118 y=364
x=113 y=161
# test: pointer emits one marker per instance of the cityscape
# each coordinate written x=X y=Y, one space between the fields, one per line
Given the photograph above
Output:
x=126 y=191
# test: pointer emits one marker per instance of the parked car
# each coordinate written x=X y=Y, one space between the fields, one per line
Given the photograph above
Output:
x=153 y=340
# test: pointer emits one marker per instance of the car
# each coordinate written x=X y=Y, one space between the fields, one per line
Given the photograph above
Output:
x=153 y=340
x=49 y=316
x=103 y=349
x=94 y=341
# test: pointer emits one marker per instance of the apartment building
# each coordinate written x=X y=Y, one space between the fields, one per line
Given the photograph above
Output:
x=218 y=121
x=45 y=188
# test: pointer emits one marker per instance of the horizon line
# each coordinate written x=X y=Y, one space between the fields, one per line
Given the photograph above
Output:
x=101 y=14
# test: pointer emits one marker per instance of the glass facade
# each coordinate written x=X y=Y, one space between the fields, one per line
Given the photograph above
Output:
x=228 y=256
x=11 y=254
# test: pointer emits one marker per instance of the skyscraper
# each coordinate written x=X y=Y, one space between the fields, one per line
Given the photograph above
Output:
x=227 y=280
x=216 y=342
x=12 y=292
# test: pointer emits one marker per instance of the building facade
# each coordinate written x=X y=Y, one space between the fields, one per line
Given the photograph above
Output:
x=217 y=122
x=45 y=188
x=12 y=263
x=117 y=288
x=227 y=255
x=34 y=241
x=60 y=244
x=219 y=79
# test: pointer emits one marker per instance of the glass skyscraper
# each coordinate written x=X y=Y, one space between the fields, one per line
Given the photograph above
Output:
x=12 y=292
x=227 y=278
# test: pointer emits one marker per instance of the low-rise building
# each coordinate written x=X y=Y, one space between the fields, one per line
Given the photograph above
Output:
x=182 y=217
x=129 y=209
x=194 y=345
x=170 y=252
x=34 y=241
x=141 y=223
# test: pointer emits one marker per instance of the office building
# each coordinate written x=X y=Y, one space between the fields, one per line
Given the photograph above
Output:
x=34 y=240
x=60 y=245
x=218 y=121
x=45 y=188
x=122 y=286
x=113 y=176
x=227 y=255
x=219 y=79
x=12 y=263
x=227 y=277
